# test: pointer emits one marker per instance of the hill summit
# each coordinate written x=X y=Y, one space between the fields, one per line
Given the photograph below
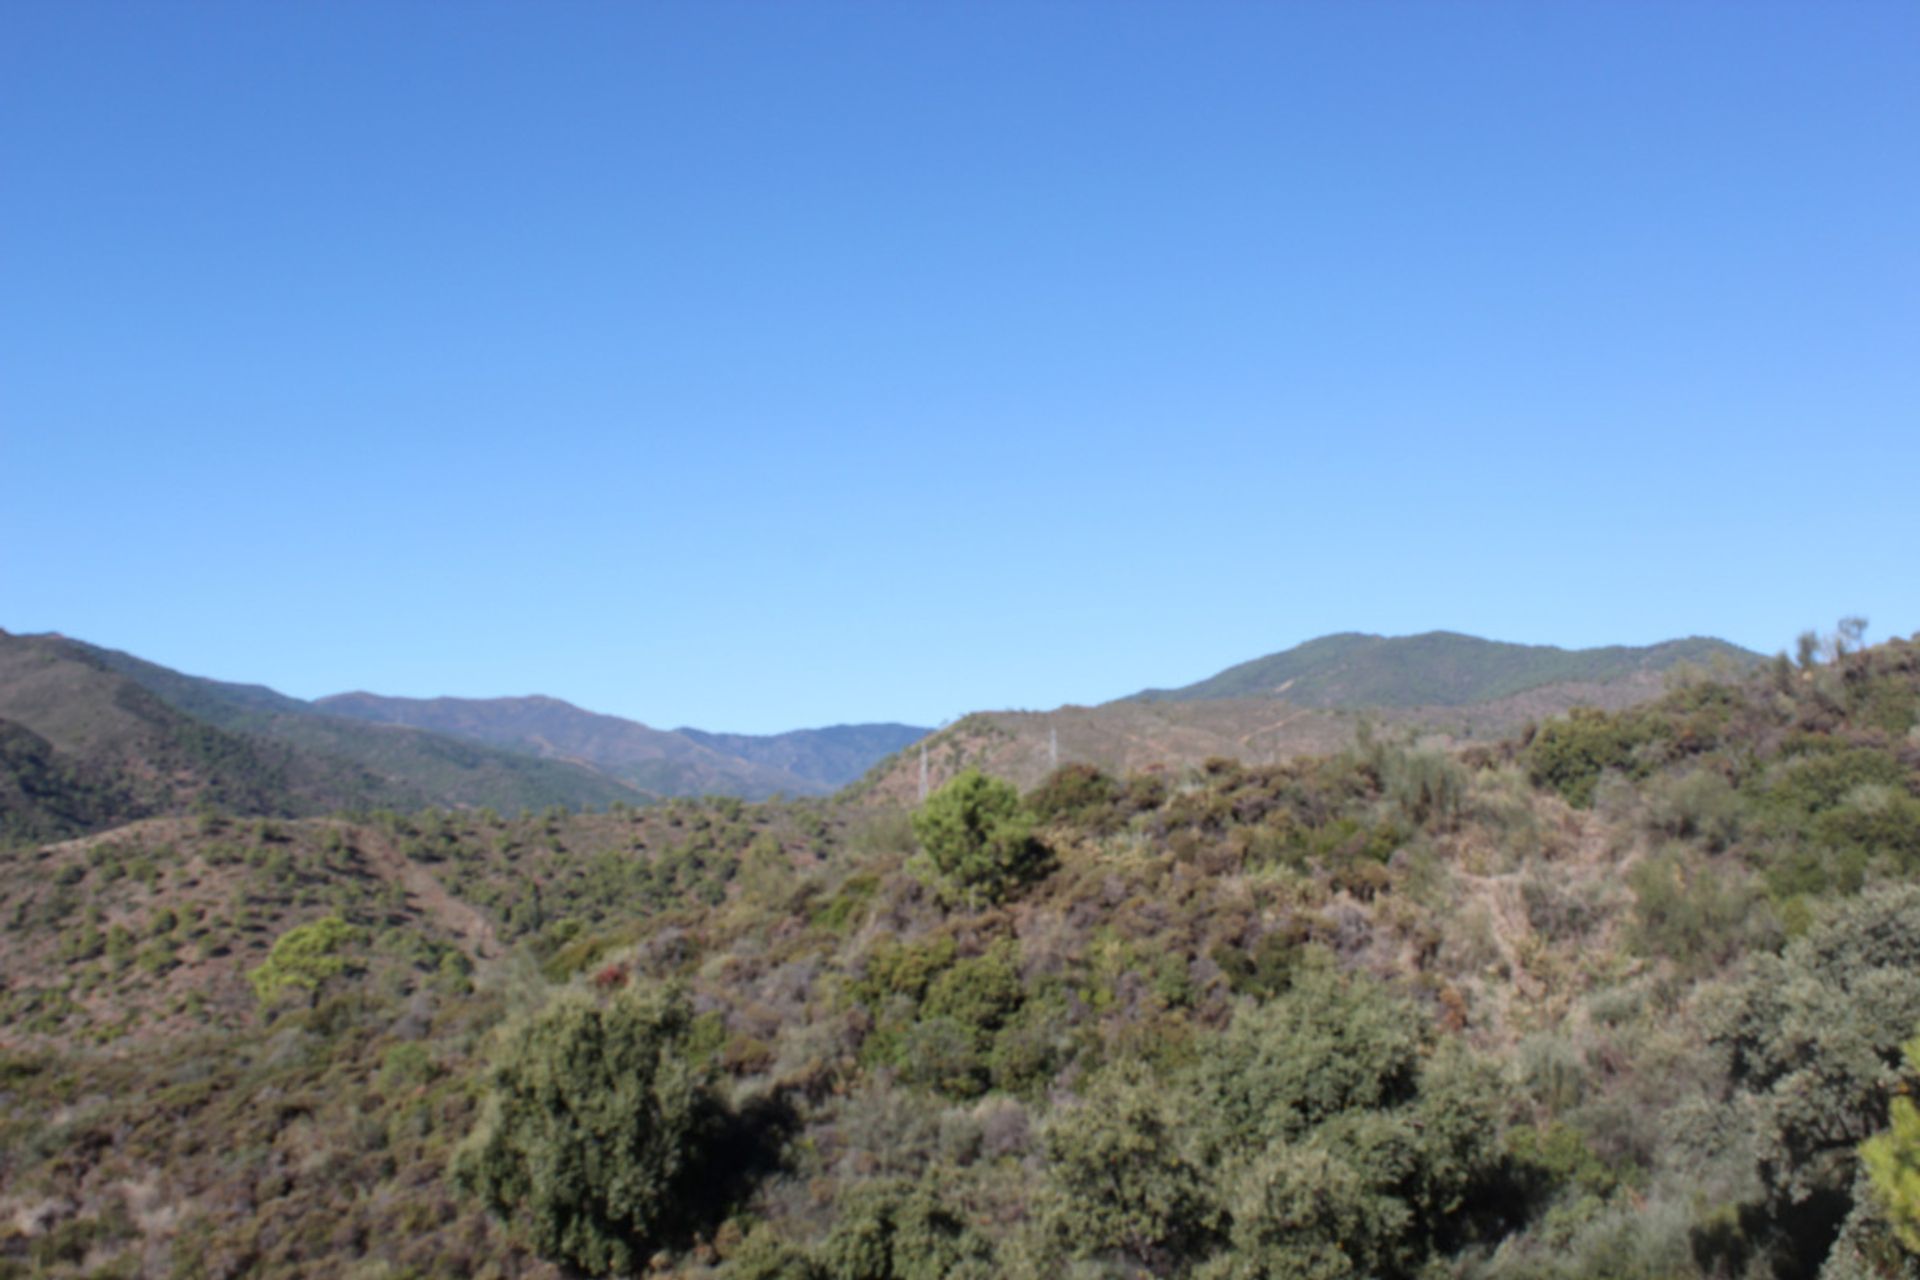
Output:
x=1352 y=670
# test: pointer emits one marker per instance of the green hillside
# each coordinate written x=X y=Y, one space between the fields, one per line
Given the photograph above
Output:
x=1437 y=669
x=412 y=768
x=92 y=737
x=84 y=747
x=46 y=794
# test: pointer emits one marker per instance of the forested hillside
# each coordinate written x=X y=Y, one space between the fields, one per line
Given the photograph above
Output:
x=83 y=747
x=1620 y=995
x=145 y=740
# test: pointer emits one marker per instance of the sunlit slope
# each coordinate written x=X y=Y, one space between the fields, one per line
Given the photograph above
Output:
x=1439 y=669
x=1265 y=722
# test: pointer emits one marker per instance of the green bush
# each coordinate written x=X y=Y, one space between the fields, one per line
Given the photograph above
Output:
x=1027 y=1052
x=1569 y=754
x=898 y=1230
x=1080 y=795
x=1876 y=820
x=1307 y=1211
x=1814 y=1040
x=848 y=904
x=949 y=1044
x=1695 y=914
x=593 y=1118
x=943 y=1054
x=1820 y=775
x=1346 y=1145
x=1121 y=1178
x=1701 y=805
x=304 y=957
x=981 y=992
x=1327 y=1046
x=765 y=1256
x=1265 y=969
x=1892 y=1161
x=1558 y=1155
x=904 y=968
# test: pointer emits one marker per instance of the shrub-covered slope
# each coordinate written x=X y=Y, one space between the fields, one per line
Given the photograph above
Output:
x=1620 y=996
x=82 y=747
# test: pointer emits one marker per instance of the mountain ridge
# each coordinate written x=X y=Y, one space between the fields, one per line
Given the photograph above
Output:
x=1308 y=700
x=185 y=739
x=1352 y=669
x=667 y=760
x=90 y=736
x=138 y=740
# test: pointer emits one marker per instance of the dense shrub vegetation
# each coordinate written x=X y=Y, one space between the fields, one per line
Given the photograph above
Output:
x=594 y=1119
x=1624 y=997
x=978 y=838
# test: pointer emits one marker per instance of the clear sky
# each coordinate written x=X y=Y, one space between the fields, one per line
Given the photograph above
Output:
x=762 y=365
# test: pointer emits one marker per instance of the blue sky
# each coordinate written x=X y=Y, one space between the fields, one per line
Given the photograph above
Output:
x=754 y=366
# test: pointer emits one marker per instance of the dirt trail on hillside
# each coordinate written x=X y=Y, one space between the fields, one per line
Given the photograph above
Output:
x=424 y=890
x=1246 y=739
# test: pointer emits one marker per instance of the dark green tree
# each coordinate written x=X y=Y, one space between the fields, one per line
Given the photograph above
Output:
x=593 y=1118
x=979 y=838
x=1347 y=1144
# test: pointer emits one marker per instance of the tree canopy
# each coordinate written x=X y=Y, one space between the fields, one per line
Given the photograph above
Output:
x=979 y=837
x=593 y=1117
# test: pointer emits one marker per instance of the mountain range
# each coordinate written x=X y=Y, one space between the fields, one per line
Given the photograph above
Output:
x=90 y=737
x=661 y=761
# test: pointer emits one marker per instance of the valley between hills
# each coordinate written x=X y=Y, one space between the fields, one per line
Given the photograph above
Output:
x=1380 y=957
